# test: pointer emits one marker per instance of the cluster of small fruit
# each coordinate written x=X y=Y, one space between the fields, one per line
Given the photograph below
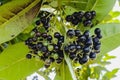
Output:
x=48 y=44
x=78 y=17
x=45 y=47
x=84 y=46
x=44 y=18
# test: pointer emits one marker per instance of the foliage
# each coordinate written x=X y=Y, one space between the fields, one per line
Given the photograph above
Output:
x=17 y=19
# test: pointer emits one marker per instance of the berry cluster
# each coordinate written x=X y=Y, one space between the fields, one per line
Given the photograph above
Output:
x=83 y=46
x=47 y=47
x=44 y=19
x=85 y=17
x=50 y=45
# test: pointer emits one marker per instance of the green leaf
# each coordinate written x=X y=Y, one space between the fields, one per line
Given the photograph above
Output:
x=102 y=7
x=63 y=73
x=96 y=71
x=115 y=14
x=14 y=65
x=15 y=16
x=110 y=74
x=111 y=37
x=108 y=57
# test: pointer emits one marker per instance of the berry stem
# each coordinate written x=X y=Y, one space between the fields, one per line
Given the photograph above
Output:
x=70 y=67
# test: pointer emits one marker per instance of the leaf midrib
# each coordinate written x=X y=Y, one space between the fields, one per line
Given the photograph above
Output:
x=22 y=12
x=17 y=61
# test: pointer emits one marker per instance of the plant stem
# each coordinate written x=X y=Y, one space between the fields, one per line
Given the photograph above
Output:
x=70 y=67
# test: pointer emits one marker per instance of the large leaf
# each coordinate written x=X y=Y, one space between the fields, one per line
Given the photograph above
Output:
x=14 y=65
x=15 y=16
x=102 y=7
x=111 y=37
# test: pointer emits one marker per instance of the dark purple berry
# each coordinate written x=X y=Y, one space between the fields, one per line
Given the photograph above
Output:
x=56 y=47
x=86 y=33
x=99 y=36
x=69 y=18
x=72 y=56
x=72 y=48
x=88 y=15
x=44 y=49
x=97 y=31
x=88 y=41
x=37 y=34
x=75 y=21
x=83 y=60
x=96 y=47
x=70 y=33
x=37 y=22
x=93 y=14
x=34 y=39
x=86 y=49
x=92 y=55
x=77 y=33
x=81 y=39
x=28 y=56
x=44 y=35
x=87 y=23
x=57 y=35
x=49 y=37
x=39 y=45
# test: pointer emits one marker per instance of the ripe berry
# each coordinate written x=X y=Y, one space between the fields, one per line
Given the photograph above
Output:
x=88 y=15
x=56 y=47
x=66 y=49
x=46 y=26
x=70 y=33
x=49 y=37
x=88 y=41
x=81 y=39
x=72 y=56
x=72 y=48
x=95 y=40
x=34 y=39
x=57 y=35
x=86 y=49
x=61 y=38
x=44 y=49
x=44 y=35
x=86 y=33
x=92 y=55
x=96 y=47
x=39 y=45
x=80 y=16
x=87 y=22
x=93 y=13
x=37 y=22
x=77 y=33
x=75 y=21
x=29 y=56
x=99 y=36
x=69 y=18
x=38 y=34
x=78 y=47
x=97 y=31
x=83 y=60
x=26 y=42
